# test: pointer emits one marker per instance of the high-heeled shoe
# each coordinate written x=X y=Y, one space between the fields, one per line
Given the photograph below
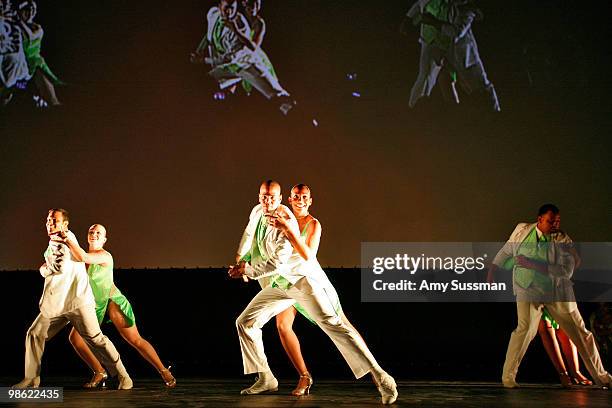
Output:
x=303 y=386
x=566 y=380
x=167 y=377
x=580 y=379
x=98 y=380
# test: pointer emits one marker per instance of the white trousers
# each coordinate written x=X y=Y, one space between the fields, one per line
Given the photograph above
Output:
x=569 y=319
x=85 y=322
x=271 y=301
x=249 y=66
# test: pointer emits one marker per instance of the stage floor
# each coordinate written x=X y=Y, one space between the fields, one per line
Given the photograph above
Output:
x=194 y=392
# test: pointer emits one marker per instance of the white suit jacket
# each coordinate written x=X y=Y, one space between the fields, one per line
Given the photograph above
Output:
x=560 y=262
x=66 y=281
x=282 y=259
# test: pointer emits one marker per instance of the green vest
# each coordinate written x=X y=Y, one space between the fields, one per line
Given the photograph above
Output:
x=256 y=254
x=430 y=34
x=531 y=248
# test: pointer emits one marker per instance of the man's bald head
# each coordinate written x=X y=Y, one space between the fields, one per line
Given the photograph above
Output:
x=270 y=196
x=270 y=186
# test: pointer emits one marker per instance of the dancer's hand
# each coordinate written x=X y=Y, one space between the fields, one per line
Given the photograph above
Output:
x=232 y=24
x=196 y=58
x=523 y=261
x=528 y=263
x=278 y=220
x=236 y=271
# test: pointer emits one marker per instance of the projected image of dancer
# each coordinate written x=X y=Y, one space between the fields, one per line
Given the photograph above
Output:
x=252 y=10
x=33 y=33
x=67 y=298
x=538 y=262
x=109 y=299
x=13 y=64
x=267 y=251
x=447 y=40
x=230 y=49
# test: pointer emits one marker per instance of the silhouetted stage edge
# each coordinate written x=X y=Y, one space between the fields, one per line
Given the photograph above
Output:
x=209 y=392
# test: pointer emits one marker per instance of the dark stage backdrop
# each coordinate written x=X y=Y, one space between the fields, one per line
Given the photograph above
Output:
x=188 y=315
x=141 y=146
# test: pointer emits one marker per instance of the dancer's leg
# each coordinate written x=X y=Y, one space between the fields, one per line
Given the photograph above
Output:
x=528 y=317
x=265 y=305
x=84 y=352
x=348 y=341
x=42 y=329
x=290 y=341
x=132 y=336
x=568 y=316
x=551 y=345
x=571 y=354
x=86 y=324
x=428 y=74
x=261 y=80
x=321 y=303
x=46 y=88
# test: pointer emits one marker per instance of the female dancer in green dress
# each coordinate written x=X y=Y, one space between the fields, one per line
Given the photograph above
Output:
x=32 y=41
x=555 y=339
x=258 y=32
x=108 y=297
x=306 y=243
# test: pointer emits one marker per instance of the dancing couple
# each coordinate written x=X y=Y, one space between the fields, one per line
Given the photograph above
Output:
x=20 y=54
x=232 y=46
x=542 y=261
x=83 y=297
x=274 y=251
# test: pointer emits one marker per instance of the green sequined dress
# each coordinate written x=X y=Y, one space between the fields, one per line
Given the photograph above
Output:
x=104 y=290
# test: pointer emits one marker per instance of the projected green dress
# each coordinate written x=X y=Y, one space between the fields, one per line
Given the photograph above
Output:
x=234 y=62
x=246 y=85
x=104 y=290
x=31 y=48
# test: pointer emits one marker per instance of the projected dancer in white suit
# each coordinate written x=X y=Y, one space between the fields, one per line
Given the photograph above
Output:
x=447 y=40
x=234 y=55
x=267 y=251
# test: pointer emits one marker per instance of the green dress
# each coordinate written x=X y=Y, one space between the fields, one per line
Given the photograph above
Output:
x=31 y=49
x=101 y=281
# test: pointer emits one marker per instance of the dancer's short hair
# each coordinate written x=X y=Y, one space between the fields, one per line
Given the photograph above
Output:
x=548 y=207
x=271 y=183
x=61 y=211
x=301 y=186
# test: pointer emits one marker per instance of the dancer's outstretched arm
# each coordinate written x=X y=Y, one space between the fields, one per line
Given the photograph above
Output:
x=260 y=33
x=98 y=257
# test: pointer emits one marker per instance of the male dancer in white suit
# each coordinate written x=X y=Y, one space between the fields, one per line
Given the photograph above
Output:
x=67 y=298
x=536 y=263
x=265 y=251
